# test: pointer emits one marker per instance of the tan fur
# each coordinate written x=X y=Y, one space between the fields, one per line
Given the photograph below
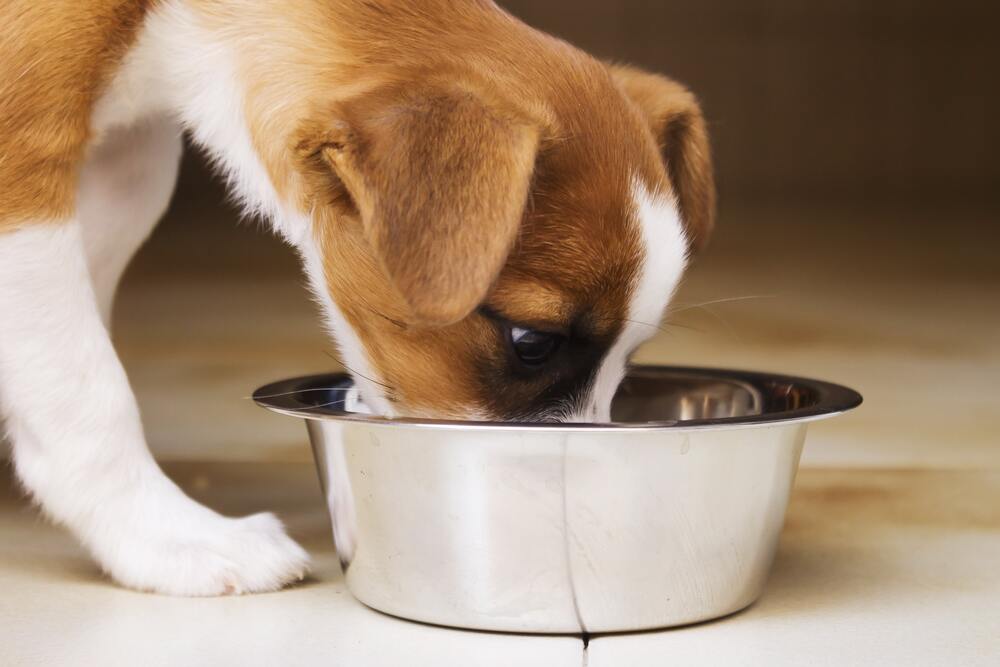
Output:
x=463 y=185
x=55 y=58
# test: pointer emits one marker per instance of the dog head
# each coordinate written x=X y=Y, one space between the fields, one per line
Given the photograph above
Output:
x=496 y=237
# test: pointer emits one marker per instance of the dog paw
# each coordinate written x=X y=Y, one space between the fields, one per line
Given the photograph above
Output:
x=206 y=554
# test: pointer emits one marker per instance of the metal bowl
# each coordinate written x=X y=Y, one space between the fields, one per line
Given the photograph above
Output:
x=668 y=516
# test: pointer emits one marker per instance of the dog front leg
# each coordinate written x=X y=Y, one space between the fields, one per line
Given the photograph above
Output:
x=78 y=443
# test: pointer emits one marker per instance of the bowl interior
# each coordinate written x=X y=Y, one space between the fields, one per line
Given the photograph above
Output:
x=649 y=396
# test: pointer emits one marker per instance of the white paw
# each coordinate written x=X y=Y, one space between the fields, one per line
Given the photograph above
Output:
x=197 y=552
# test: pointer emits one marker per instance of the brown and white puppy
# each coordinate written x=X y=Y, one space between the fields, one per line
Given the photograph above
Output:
x=492 y=220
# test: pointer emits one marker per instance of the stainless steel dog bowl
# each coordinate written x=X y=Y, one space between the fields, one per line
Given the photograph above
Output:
x=668 y=516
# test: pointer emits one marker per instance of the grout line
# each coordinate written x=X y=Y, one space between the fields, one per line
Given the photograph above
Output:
x=569 y=561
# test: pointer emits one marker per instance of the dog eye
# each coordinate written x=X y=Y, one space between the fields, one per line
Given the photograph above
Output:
x=533 y=348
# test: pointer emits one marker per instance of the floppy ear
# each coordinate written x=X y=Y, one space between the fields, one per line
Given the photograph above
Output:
x=440 y=181
x=679 y=127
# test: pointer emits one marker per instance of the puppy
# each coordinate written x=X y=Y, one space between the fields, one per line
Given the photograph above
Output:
x=492 y=221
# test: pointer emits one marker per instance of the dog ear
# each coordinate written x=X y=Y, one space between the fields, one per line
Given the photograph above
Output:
x=440 y=182
x=677 y=123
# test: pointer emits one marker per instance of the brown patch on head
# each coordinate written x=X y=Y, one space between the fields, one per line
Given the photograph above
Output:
x=569 y=254
x=451 y=157
x=577 y=260
x=55 y=59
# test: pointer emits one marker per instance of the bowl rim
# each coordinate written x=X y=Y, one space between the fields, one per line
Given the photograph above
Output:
x=284 y=397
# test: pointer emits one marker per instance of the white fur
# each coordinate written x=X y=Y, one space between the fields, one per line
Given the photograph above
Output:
x=70 y=413
x=78 y=441
x=124 y=190
x=180 y=70
x=665 y=256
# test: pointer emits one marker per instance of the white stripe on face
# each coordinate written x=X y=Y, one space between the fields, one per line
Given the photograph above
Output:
x=665 y=257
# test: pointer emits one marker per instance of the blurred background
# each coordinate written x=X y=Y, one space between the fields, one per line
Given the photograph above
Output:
x=856 y=153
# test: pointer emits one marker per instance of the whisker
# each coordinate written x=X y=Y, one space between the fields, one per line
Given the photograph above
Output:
x=659 y=327
x=360 y=375
x=665 y=327
x=324 y=405
x=318 y=405
x=301 y=391
x=390 y=320
x=616 y=320
x=672 y=311
x=684 y=326
x=729 y=327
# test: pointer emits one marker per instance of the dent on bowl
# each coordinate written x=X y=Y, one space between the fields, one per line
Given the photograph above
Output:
x=668 y=516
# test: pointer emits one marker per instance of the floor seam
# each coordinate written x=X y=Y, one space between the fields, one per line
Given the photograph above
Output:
x=569 y=560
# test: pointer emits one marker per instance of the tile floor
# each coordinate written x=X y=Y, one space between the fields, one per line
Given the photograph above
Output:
x=875 y=567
